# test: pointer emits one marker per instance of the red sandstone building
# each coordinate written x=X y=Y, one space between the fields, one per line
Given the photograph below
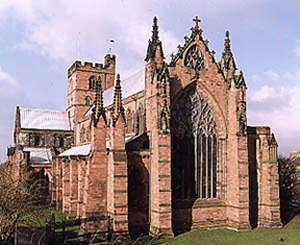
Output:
x=164 y=151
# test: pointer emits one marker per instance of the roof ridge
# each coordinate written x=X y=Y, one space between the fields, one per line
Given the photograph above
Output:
x=40 y=109
x=133 y=74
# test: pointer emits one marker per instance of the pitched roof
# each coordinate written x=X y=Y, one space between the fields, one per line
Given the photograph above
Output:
x=44 y=119
x=129 y=86
x=82 y=150
x=39 y=155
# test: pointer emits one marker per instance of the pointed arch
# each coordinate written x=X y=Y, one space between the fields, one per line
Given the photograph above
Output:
x=194 y=147
x=92 y=83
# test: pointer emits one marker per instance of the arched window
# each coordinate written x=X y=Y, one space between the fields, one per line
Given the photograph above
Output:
x=136 y=122
x=141 y=119
x=87 y=100
x=37 y=140
x=129 y=121
x=61 y=141
x=194 y=148
x=92 y=83
x=82 y=135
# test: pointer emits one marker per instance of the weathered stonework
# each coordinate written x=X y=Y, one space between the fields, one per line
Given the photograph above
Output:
x=175 y=156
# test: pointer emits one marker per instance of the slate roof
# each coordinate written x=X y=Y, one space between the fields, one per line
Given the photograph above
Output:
x=82 y=150
x=44 y=119
x=39 y=155
x=130 y=86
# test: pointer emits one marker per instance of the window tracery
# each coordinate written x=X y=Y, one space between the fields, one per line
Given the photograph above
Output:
x=194 y=59
x=194 y=148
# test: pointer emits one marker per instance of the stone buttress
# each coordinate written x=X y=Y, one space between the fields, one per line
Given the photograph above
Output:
x=95 y=186
x=157 y=97
x=118 y=169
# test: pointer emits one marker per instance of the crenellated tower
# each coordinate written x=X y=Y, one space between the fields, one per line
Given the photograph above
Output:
x=82 y=84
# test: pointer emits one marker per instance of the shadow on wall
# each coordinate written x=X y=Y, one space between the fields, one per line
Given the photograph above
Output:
x=253 y=185
x=138 y=196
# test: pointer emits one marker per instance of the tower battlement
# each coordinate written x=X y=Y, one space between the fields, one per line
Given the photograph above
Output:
x=109 y=64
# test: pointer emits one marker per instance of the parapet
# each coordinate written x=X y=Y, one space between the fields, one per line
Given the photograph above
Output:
x=265 y=130
x=109 y=62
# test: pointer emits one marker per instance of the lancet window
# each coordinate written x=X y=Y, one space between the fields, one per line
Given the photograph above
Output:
x=88 y=100
x=194 y=148
x=92 y=83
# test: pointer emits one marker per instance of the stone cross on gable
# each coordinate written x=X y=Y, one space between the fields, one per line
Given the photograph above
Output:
x=197 y=20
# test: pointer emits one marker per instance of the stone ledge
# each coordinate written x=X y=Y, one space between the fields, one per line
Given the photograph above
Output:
x=198 y=203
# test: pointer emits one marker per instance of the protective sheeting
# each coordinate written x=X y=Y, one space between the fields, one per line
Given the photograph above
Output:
x=44 y=119
x=82 y=150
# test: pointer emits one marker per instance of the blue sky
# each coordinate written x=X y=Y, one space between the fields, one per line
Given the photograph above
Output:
x=40 y=39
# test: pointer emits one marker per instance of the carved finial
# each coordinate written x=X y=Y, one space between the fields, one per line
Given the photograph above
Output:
x=118 y=93
x=227 y=42
x=155 y=30
x=186 y=39
x=197 y=20
x=117 y=106
x=213 y=52
x=179 y=48
x=98 y=110
x=154 y=42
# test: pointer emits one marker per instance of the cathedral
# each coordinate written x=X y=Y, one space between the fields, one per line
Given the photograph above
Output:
x=164 y=151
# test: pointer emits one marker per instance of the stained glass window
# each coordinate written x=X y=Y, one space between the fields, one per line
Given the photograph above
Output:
x=194 y=148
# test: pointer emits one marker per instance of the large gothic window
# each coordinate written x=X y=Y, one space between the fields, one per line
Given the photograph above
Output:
x=194 y=148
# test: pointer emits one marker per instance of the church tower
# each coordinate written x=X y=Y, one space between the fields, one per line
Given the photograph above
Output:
x=82 y=85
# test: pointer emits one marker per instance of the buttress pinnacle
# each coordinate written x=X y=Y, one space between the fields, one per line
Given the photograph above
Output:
x=227 y=42
x=99 y=95
x=155 y=37
x=118 y=106
x=98 y=110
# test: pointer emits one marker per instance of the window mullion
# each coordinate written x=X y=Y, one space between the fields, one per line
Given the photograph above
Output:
x=212 y=167
x=196 y=163
x=201 y=163
x=206 y=169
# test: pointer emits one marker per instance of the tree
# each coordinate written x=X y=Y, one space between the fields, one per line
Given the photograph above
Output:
x=287 y=189
x=20 y=201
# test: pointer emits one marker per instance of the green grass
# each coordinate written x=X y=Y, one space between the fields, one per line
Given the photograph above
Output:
x=290 y=234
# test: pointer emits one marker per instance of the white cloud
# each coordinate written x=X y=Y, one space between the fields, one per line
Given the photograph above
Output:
x=264 y=93
x=292 y=77
x=272 y=75
x=11 y=94
x=52 y=27
x=278 y=107
x=6 y=79
x=297 y=51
